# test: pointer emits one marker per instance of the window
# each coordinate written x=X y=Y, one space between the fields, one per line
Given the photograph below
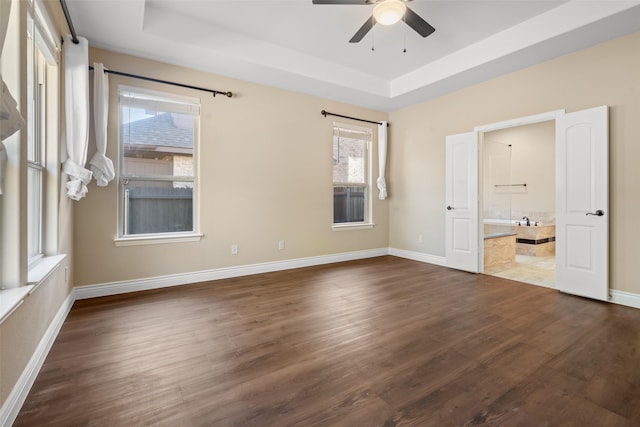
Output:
x=40 y=58
x=158 y=136
x=351 y=176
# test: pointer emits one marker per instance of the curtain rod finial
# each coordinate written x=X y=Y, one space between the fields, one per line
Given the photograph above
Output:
x=324 y=113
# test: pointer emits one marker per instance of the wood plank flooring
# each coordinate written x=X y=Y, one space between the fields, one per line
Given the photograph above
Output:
x=378 y=342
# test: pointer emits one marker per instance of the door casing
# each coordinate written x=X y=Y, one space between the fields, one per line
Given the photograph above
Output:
x=481 y=130
x=479 y=236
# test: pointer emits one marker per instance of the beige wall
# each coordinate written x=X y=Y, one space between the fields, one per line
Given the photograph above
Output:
x=265 y=175
x=532 y=163
x=608 y=74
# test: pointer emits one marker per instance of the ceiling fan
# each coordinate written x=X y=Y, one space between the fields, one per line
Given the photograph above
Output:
x=386 y=12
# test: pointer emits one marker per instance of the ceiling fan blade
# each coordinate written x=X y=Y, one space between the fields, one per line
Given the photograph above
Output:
x=366 y=27
x=340 y=2
x=350 y=1
x=421 y=26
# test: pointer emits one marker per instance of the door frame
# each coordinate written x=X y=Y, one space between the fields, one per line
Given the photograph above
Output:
x=481 y=130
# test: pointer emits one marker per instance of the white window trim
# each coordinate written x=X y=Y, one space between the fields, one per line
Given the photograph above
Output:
x=353 y=226
x=368 y=219
x=12 y=298
x=41 y=270
x=40 y=267
x=182 y=104
x=157 y=239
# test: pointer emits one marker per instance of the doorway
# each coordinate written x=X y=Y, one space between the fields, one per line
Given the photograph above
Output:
x=582 y=199
x=518 y=195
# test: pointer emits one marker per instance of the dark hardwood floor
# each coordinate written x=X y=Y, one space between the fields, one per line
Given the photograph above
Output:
x=377 y=342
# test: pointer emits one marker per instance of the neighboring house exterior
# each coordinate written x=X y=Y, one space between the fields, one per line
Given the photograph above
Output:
x=159 y=146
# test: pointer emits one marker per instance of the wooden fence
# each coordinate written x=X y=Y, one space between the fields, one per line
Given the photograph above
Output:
x=348 y=204
x=166 y=209
x=158 y=210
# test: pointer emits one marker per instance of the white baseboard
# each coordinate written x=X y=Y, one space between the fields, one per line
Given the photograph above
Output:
x=114 y=288
x=419 y=256
x=18 y=395
x=624 y=298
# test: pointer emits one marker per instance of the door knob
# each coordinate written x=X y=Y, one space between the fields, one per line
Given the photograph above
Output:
x=599 y=212
x=449 y=208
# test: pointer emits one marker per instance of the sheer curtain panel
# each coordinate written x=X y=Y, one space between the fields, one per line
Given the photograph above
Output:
x=76 y=109
x=101 y=166
x=382 y=159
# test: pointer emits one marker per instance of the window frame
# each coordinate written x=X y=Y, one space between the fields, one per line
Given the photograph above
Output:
x=367 y=222
x=40 y=56
x=165 y=102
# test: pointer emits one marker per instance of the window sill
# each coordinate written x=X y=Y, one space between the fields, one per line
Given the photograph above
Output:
x=156 y=240
x=43 y=268
x=352 y=226
x=12 y=298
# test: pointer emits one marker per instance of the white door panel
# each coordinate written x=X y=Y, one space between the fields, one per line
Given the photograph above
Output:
x=582 y=198
x=462 y=201
x=579 y=247
x=461 y=239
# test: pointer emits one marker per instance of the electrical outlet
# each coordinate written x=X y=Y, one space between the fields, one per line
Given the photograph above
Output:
x=420 y=238
x=66 y=274
x=234 y=249
x=281 y=244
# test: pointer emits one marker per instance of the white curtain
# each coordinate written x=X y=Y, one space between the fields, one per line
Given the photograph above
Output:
x=76 y=109
x=5 y=10
x=3 y=166
x=101 y=166
x=10 y=118
x=382 y=160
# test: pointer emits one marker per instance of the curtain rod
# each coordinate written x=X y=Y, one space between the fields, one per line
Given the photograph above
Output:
x=151 y=79
x=74 y=36
x=326 y=113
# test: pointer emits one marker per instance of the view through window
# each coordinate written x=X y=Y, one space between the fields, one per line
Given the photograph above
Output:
x=158 y=136
x=350 y=174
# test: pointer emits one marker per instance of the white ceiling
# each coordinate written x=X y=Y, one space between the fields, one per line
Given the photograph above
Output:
x=296 y=45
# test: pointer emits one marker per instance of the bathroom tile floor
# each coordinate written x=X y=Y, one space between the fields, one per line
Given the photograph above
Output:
x=539 y=270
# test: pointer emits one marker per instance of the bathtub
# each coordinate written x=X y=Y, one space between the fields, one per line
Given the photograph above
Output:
x=535 y=240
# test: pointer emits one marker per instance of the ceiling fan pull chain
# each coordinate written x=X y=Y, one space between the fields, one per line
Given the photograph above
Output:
x=404 y=33
x=373 y=35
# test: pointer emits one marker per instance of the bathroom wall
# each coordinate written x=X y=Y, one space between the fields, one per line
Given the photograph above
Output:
x=532 y=163
x=496 y=177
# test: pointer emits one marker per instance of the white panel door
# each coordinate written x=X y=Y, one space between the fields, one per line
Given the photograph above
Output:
x=462 y=201
x=582 y=197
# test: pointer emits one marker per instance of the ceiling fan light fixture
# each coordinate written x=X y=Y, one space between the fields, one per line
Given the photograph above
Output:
x=389 y=12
